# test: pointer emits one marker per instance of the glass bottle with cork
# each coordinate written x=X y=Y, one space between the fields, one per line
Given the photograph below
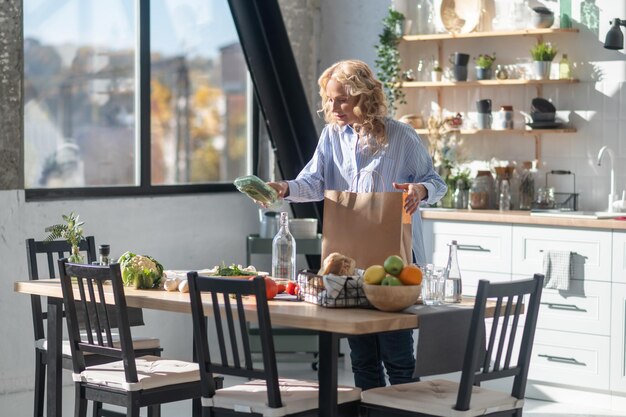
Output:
x=453 y=286
x=284 y=251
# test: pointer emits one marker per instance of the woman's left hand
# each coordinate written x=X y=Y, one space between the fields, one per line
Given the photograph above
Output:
x=415 y=194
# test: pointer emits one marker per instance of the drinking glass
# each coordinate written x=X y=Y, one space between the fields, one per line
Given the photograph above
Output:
x=433 y=285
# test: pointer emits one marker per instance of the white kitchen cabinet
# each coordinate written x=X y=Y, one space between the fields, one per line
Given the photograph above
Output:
x=484 y=251
x=618 y=338
x=470 y=280
x=591 y=248
x=579 y=354
x=584 y=308
x=619 y=257
x=481 y=246
x=570 y=358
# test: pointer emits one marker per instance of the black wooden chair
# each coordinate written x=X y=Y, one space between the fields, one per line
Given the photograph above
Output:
x=129 y=381
x=487 y=357
x=265 y=394
x=52 y=252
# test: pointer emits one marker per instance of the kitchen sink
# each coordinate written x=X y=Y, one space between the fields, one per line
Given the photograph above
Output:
x=578 y=214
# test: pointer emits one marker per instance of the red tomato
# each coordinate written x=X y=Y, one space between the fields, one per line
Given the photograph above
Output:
x=271 y=288
x=292 y=288
x=281 y=288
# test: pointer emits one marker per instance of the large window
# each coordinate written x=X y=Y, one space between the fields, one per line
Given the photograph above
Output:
x=86 y=121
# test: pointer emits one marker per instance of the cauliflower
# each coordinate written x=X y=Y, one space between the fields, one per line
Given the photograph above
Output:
x=140 y=271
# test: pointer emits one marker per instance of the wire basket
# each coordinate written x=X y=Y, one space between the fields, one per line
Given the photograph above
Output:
x=331 y=290
x=565 y=201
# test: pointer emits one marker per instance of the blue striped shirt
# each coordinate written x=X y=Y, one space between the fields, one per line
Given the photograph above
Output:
x=339 y=163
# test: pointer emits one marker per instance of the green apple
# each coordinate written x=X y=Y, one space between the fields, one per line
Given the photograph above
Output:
x=391 y=281
x=393 y=265
x=374 y=275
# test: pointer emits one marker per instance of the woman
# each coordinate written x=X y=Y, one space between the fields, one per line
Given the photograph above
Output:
x=357 y=140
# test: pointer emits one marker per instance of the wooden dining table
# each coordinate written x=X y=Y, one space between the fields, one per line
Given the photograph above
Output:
x=328 y=322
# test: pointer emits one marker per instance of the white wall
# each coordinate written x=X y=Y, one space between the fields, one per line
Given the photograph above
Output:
x=182 y=232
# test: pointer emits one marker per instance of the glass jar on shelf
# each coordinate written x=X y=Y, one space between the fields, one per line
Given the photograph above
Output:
x=545 y=198
x=501 y=72
x=527 y=186
x=481 y=193
x=425 y=17
x=460 y=197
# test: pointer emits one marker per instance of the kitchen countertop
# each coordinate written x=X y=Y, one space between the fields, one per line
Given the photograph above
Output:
x=519 y=217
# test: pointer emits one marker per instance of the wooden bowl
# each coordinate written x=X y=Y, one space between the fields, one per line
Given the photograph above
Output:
x=392 y=298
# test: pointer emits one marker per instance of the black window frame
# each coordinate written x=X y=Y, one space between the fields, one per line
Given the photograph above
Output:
x=145 y=188
x=279 y=102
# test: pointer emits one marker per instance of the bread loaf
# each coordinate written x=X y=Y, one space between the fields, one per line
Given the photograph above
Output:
x=338 y=264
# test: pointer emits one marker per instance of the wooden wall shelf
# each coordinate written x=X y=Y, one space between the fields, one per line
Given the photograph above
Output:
x=471 y=35
x=531 y=132
x=484 y=83
x=440 y=38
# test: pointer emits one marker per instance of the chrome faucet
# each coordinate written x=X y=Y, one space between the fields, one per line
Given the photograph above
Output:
x=612 y=190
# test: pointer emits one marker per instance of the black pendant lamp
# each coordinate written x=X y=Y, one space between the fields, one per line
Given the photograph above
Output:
x=615 y=37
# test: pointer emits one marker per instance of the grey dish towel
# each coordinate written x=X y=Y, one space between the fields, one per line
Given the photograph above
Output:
x=443 y=333
x=557 y=268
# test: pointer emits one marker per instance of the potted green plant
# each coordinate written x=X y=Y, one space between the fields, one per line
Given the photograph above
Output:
x=388 y=61
x=71 y=231
x=436 y=72
x=483 y=66
x=542 y=53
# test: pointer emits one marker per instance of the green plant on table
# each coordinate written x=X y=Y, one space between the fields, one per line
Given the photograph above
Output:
x=485 y=61
x=388 y=61
x=71 y=231
x=543 y=51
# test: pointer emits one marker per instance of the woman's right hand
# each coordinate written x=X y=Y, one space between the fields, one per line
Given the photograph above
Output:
x=281 y=187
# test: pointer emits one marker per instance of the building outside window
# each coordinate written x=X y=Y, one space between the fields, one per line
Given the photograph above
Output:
x=82 y=100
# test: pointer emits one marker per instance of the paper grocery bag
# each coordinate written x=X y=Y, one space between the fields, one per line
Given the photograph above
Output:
x=367 y=227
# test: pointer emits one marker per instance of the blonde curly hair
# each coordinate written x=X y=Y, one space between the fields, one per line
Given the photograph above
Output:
x=371 y=108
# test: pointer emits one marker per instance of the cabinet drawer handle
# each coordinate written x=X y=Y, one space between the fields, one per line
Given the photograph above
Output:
x=568 y=307
x=473 y=248
x=560 y=359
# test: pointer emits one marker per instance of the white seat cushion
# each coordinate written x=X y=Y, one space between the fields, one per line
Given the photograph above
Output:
x=296 y=396
x=152 y=372
x=438 y=397
x=138 y=343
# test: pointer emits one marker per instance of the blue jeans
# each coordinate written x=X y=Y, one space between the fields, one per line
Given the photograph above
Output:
x=369 y=352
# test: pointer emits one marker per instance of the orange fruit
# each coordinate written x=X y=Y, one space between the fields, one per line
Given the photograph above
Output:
x=410 y=275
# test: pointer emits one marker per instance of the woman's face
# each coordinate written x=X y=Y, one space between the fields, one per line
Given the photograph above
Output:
x=341 y=103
